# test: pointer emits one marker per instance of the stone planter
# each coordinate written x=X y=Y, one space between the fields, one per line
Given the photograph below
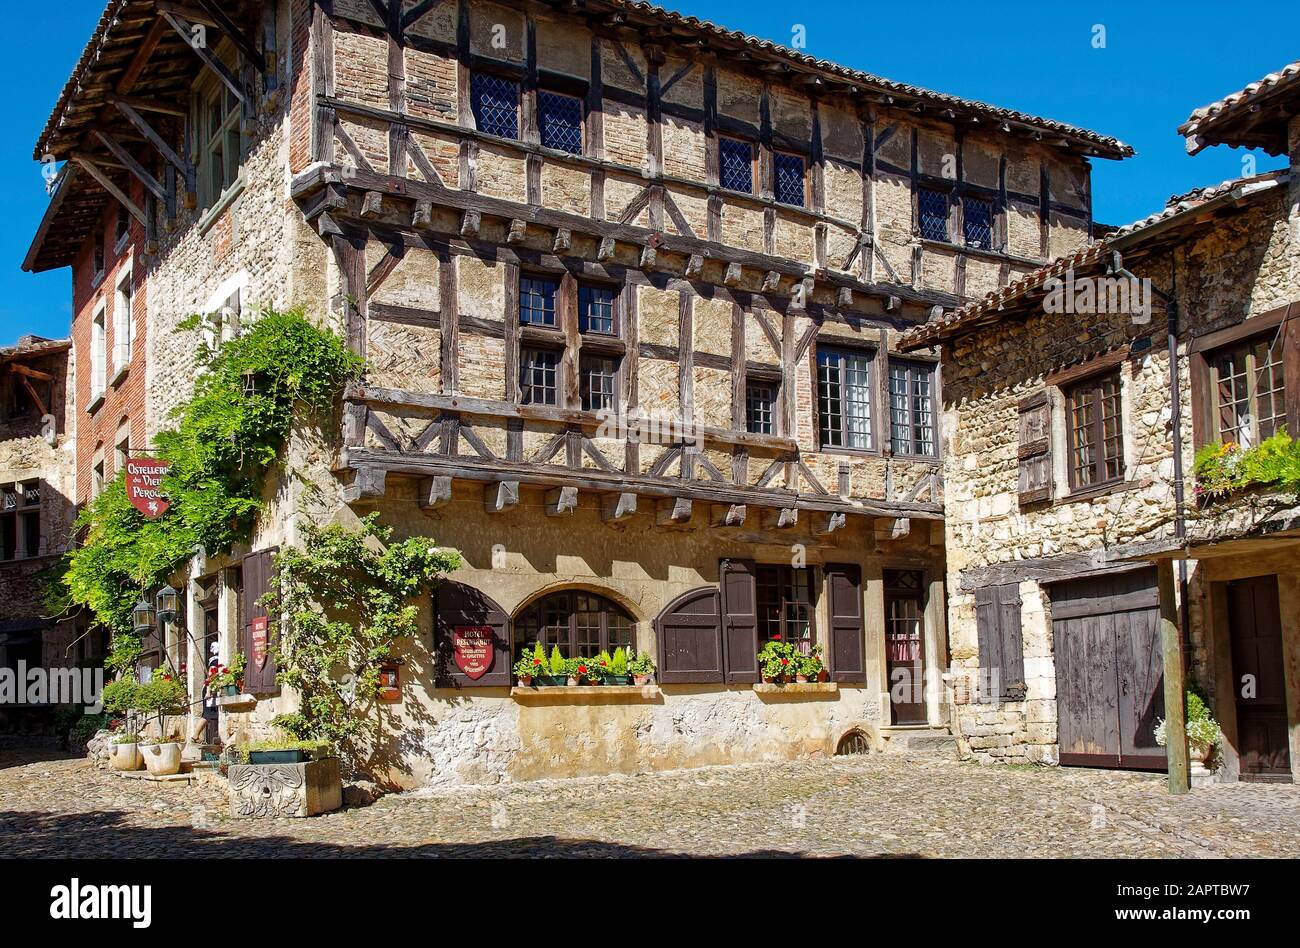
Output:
x=1199 y=757
x=162 y=760
x=272 y=791
x=125 y=757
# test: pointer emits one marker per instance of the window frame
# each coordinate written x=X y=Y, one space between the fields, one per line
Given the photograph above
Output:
x=569 y=643
x=1252 y=377
x=785 y=574
x=17 y=513
x=476 y=74
x=525 y=368
x=913 y=366
x=777 y=156
x=946 y=195
x=586 y=286
x=873 y=401
x=773 y=385
x=753 y=164
x=555 y=297
x=98 y=354
x=614 y=376
x=582 y=120
x=208 y=90
x=991 y=245
x=123 y=321
x=1095 y=384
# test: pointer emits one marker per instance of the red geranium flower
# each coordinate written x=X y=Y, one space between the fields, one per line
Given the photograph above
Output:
x=582 y=669
x=777 y=637
x=603 y=664
x=785 y=661
x=537 y=661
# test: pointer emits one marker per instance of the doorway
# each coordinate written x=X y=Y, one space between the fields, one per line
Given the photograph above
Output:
x=1255 y=630
x=905 y=644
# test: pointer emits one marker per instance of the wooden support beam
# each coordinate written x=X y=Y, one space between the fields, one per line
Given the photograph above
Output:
x=694 y=266
x=563 y=240
x=367 y=484
x=422 y=215
x=372 y=205
x=89 y=166
x=144 y=128
x=1171 y=638
x=781 y=518
x=727 y=515
x=34 y=396
x=128 y=161
x=434 y=492
x=606 y=249
x=615 y=508
x=732 y=276
x=237 y=36
x=500 y=496
x=219 y=69
x=824 y=524
x=648 y=258
x=673 y=511
x=30 y=372
x=771 y=281
x=518 y=231
x=561 y=501
x=470 y=222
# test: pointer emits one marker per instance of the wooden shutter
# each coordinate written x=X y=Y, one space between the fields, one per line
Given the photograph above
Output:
x=259 y=677
x=456 y=604
x=1035 y=475
x=690 y=638
x=740 y=622
x=1001 y=645
x=845 y=648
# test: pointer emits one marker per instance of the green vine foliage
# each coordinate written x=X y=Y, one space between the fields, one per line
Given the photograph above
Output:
x=345 y=596
x=223 y=441
x=1224 y=468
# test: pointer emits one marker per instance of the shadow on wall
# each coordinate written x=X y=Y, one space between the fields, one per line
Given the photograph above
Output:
x=106 y=834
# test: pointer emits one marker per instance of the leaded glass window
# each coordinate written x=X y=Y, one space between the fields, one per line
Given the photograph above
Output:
x=495 y=102
x=560 y=118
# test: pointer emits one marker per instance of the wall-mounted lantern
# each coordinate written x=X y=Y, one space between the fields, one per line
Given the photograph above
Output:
x=143 y=616
x=168 y=603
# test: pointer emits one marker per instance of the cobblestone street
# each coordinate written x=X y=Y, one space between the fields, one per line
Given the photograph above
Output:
x=892 y=805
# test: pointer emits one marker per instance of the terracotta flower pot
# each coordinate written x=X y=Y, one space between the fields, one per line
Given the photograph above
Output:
x=572 y=682
x=124 y=757
x=641 y=679
x=162 y=760
x=823 y=675
x=525 y=681
x=801 y=679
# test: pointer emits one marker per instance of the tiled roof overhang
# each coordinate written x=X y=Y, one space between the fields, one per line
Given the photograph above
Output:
x=1141 y=238
x=1253 y=117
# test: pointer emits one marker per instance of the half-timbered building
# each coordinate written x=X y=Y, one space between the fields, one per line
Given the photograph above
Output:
x=630 y=288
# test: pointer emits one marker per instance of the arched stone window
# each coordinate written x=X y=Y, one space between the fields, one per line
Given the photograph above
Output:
x=582 y=623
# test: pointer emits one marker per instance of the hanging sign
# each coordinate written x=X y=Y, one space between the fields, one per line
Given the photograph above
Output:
x=260 y=638
x=144 y=486
x=473 y=648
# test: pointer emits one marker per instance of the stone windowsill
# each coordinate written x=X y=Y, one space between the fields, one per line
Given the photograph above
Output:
x=236 y=702
x=797 y=688
x=1101 y=490
x=231 y=194
x=564 y=694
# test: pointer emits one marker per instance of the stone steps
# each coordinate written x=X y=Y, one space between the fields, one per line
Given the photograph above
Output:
x=919 y=740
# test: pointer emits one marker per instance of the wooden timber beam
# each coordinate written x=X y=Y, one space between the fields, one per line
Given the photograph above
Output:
x=184 y=29
x=434 y=492
x=237 y=36
x=143 y=53
x=501 y=496
x=561 y=501
x=32 y=394
x=673 y=511
x=31 y=373
x=128 y=161
x=368 y=484
x=186 y=169
x=615 y=508
x=88 y=165
x=727 y=515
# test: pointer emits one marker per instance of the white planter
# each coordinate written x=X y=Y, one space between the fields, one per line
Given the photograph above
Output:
x=162 y=760
x=124 y=757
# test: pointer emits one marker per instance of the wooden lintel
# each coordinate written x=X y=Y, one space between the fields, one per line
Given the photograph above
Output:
x=561 y=501
x=673 y=511
x=434 y=492
x=500 y=496
x=617 y=507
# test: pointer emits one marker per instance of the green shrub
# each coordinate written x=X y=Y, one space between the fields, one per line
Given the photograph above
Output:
x=618 y=664
x=558 y=664
x=119 y=696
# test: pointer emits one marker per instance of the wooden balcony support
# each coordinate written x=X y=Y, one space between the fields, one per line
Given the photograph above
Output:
x=615 y=508
x=501 y=496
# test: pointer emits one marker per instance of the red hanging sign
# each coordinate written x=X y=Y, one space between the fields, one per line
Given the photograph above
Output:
x=144 y=486
x=474 y=648
x=260 y=640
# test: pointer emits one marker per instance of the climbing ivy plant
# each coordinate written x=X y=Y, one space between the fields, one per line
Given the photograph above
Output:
x=344 y=597
x=221 y=445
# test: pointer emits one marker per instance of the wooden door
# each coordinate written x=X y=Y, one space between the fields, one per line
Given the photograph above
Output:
x=905 y=645
x=1109 y=670
x=1255 y=627
x=689 y=631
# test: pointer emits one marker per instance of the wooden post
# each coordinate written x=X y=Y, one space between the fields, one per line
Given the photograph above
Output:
x=1175 y=713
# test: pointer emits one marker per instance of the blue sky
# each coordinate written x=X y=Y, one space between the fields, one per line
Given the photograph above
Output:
x=1160 y=61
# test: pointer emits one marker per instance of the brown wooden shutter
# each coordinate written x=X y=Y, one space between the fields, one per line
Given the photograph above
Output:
x=259 y=678
x=845 y=649
x=1035 y=475
x=690 y=638
x=456 y=604
x=740 y=623
x=1001 y=643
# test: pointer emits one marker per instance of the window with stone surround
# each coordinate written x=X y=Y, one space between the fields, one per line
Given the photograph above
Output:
x=98 y=354
x=845 y=399
x=559 y=118
x=911 y=409
x=581 y=623
x=219 y=140
x=1095 y=431
x=123 y=322
x=495 y=103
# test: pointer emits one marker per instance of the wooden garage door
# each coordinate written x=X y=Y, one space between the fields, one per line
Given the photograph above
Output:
x=1109 y=670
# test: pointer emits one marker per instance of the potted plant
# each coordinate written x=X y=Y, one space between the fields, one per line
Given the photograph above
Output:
x=618 y=673
x=809 y=667
x=1203 y=732
x=525 y=668
x=595 y=673
x=776 y=660
x=575 y=670
x=822 y=672
x=124 y=753
x=227 y=681
x=641 y=668
x=160 y=696
x=553 y=671
x=287 y=751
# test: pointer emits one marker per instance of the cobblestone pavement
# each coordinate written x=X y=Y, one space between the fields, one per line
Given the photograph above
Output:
x=893 y=804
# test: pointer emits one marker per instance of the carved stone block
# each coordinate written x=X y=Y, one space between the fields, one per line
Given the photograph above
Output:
x=272 y=791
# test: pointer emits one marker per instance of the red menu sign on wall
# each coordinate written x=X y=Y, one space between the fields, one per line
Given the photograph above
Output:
x=473 y=648
x=144 y=486
x=260 y=639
